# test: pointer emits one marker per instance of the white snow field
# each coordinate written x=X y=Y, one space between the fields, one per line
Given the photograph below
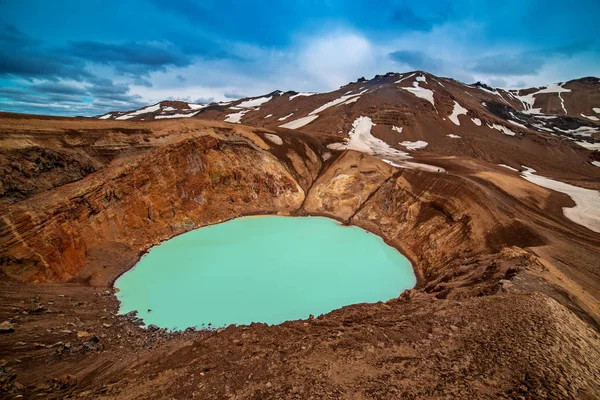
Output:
x=587 y=202
x=254 y=102
x=361 y=139
x=300 y=122
x=236 y=118
x=476 y=121
x=197 y=106
x=456 y=111
x=590 y=117
x=301 y=94
x=420 y=92
x=589 y=146
x=397 y=128
x=453 y=136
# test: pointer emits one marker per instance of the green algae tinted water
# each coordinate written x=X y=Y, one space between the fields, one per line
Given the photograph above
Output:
x=261 y=269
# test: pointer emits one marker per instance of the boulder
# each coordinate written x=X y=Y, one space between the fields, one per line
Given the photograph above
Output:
x=6 y=327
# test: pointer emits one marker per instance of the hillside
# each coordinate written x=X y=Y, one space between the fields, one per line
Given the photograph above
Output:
x=501 y=223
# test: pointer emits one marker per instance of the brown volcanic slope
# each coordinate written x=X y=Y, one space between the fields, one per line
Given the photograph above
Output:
x=507 y=297
x=568 y=113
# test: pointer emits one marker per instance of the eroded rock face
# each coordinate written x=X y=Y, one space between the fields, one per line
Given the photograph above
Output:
x=172 y=190
x=346 y=184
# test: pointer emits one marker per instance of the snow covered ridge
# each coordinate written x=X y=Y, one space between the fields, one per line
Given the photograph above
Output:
x=587 y=202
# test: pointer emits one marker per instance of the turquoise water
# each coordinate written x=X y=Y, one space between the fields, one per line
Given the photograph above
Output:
x=262 y=269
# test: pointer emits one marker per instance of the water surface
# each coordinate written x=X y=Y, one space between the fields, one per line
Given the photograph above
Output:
x=261 y=269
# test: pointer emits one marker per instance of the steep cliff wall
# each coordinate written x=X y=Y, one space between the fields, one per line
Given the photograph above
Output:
x=110 y=218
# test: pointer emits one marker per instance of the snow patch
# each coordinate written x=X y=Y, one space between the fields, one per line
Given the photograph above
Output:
x=335 y=102
x=596 y=163
x=284 y=118
x=236 y=118
x=587 y=202
x=476 y=121
x=300 y=122
x=596 y=110
x=169 y=108
x=274 y=138
x=188 y=115
x=591 y=117
x=300 y=95
x=421 y=78
x=406 y=77
x=106 y=116
x=141 y=111
x=585 y=131
x=423 y=93
x=200 y=106
x=268 y=116
x=419 y=144
x=589 y=146
x=529 y=100
x=509 y=167
x=456 y=111
x=502 y=129
x=361 y=139
x=517 y=124
x=453 y=136
x=254 y=102
x=397 y=128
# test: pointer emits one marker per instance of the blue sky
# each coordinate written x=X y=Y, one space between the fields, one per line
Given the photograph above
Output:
x=88 y=57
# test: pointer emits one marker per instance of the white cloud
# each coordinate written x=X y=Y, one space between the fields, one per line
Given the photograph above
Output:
x=324 y=61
